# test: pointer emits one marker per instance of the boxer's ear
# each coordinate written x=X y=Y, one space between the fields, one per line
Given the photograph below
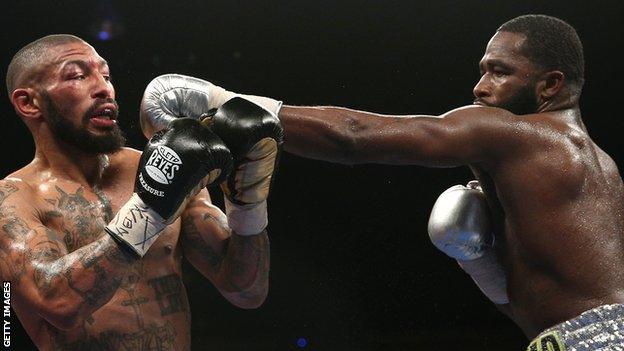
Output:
x=27 y=103
x=549 y=84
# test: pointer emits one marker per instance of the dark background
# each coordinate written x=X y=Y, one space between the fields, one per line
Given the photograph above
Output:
x=352 y=267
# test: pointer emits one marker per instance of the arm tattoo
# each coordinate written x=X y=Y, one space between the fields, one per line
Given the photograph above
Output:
x=16 y=266
x=6 y=190
x=248 y=264
x=105 y=285
x=196 y=243
x=242 y=266
x=47 y=261
x=153 y=337
x=16 y=228
x=82 y=220
x=77 y=258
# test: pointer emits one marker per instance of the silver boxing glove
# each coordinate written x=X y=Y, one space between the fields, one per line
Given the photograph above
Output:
x=172 y=96
x=459 y=224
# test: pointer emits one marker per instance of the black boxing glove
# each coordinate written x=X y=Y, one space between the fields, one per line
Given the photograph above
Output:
x=253 y=135
x=175 y=165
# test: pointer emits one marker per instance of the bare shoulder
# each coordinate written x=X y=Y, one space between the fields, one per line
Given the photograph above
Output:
x=18 y=189
x=19 y=205
x=608 y=164
x=126 y=154
x=489 y=123
x=486 y=116
x=494 y=117
x=497 y=119
x=478 y=112
x=127 y=159
x=499 y=132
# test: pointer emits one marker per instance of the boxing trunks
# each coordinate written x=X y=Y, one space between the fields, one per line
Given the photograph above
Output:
x=598 y=329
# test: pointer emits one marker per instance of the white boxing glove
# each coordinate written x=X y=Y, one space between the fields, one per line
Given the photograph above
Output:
x=172 y=96
x=460 y=226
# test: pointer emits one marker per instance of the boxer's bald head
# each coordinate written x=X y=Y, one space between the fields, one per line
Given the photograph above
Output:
x=551 y=44
x=32 y=58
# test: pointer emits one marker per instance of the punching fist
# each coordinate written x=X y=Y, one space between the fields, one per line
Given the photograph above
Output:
x=175 y=165
x=254 y=135
x=172 y=96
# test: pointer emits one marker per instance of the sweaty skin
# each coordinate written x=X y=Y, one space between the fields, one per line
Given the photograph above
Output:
x=73 y=286
x=557 y=198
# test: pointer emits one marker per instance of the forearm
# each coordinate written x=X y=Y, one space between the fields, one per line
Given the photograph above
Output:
x=73 y=286
x=244 y=270
x=347 y=136
x=324 y=133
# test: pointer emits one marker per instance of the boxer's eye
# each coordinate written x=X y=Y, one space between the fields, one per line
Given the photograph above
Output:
x=499 y=73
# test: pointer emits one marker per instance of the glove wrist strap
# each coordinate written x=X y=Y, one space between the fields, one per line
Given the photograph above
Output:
x=267 y=103
x=248 y=219
x=136 y=225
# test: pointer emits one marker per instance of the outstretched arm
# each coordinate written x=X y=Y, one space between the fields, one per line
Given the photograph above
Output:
x=64 y=288
x=343 y=135
x=348 y=136
x=237 y=265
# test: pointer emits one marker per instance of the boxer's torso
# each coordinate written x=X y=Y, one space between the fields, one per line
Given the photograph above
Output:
x=563 y=204
x=149 y=310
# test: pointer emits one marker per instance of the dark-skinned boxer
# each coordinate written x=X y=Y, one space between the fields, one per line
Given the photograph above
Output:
x=555 y=199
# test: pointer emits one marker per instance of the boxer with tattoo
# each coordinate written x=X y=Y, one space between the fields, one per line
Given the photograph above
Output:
x=92 y=234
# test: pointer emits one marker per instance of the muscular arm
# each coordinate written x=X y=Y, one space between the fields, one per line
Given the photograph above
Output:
x=348 y=136
x=63 y=288
x=237 y=265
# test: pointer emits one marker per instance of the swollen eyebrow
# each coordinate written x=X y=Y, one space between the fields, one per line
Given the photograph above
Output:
x=81 y=64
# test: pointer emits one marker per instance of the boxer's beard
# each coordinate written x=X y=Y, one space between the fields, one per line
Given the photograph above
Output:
x=523 y=102
x=78 y=135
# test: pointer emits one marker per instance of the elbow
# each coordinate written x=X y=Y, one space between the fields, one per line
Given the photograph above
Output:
x=252 y=303
x=62 y=315
x=64 y=311
x=248 y=300
x=66 y=322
